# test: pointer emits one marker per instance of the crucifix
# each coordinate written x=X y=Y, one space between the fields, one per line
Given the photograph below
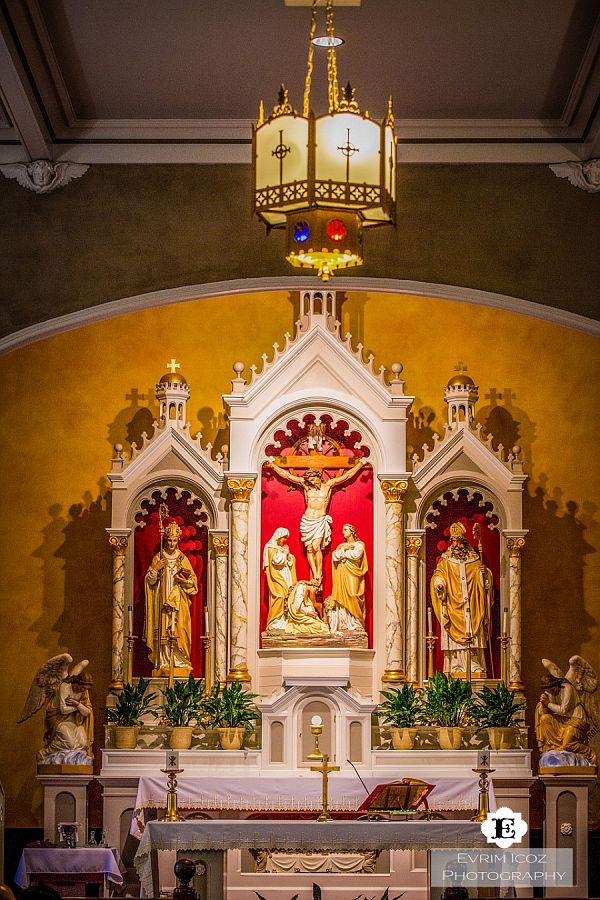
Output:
x=325 y=769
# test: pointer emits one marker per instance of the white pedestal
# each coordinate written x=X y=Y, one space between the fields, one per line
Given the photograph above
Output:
x=65 y=800
x=566 y=826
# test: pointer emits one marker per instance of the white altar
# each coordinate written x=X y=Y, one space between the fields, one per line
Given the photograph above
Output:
x=401 y=837
x=316 y=406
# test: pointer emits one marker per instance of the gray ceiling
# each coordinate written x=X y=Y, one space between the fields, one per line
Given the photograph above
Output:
x=180 y=81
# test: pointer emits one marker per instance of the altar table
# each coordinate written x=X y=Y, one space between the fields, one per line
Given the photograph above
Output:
x=223 y=834
x=299 y=792
x=85 y=865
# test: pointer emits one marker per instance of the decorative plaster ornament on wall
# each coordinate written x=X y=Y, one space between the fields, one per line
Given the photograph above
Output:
x=42 y=176
x=584 y=175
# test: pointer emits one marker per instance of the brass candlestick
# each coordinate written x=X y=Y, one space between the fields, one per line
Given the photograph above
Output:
x=504 y=645
x=131 y=639
x=172 y=813
x=430 y=640
x=172 y=641
x=468 y=642
x=484 y=795
x=207 y=640
x=325 y=770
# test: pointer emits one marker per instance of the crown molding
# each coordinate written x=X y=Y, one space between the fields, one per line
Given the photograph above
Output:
x=39 y=104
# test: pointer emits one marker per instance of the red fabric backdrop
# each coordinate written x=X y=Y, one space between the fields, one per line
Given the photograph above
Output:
x=193 y=543
x=282 y=505
x=437 y=539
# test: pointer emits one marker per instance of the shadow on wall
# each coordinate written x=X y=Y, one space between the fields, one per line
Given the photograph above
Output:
x=553 y=567
x=554 y=555
x=130 y=424
x=420 y=431
x=214 y=429
x=508 y=424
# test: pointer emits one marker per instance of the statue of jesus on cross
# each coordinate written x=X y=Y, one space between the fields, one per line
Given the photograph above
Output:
x=315 y=525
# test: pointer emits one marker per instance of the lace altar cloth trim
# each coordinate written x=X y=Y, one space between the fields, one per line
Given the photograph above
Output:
x=221 y=834
x=300 y=792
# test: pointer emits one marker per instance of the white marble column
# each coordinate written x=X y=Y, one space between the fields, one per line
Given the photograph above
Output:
x=393 y=492
x=240 y=489
x=414 y=542
x=120 y=624
x=220 y=543
x=514 y=543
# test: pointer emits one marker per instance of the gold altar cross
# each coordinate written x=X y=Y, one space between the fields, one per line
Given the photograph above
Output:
x=325 y=770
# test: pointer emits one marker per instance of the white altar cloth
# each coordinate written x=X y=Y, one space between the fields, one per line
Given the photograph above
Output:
x=223 y=834
x=296 y=792
x=61 y=861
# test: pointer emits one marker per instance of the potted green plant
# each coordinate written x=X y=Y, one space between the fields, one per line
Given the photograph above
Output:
x=401 y=711
x=447 y=703
x=126 y=715
x=498 y=709
x=231 y=711
x=182 y=705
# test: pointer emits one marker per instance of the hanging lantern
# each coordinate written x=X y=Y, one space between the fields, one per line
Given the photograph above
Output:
x=324 y=178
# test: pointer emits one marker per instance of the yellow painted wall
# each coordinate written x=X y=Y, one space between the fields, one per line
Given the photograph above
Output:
x=65 y=404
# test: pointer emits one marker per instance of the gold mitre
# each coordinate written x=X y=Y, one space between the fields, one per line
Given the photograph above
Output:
x=173 y=530
x=458 y=531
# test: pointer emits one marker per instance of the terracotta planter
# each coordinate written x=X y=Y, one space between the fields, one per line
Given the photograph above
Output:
x=231 y=738
x=501 y=738
x=403 y=738
x=180 y=737
x=126 y=737
x=449 y=738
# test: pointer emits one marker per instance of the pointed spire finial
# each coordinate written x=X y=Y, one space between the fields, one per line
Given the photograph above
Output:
x=348 y=102
x=389 y=119
x=283 y=106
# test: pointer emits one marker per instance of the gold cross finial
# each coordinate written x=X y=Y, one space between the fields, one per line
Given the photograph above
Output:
x=173 y=365
x=460 y=367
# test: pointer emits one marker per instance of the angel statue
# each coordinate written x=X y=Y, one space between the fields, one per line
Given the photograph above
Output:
x=567 y=711
x=69 y=723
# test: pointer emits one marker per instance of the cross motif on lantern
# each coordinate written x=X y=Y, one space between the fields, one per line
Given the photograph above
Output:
x=348 y=150
x=281 y=151
x=173 y=365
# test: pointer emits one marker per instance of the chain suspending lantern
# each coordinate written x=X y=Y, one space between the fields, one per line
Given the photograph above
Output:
x=324 y=178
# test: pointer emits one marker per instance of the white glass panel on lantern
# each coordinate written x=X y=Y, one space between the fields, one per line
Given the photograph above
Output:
x=347 y=149
x=390 y=161
x=281 y=154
